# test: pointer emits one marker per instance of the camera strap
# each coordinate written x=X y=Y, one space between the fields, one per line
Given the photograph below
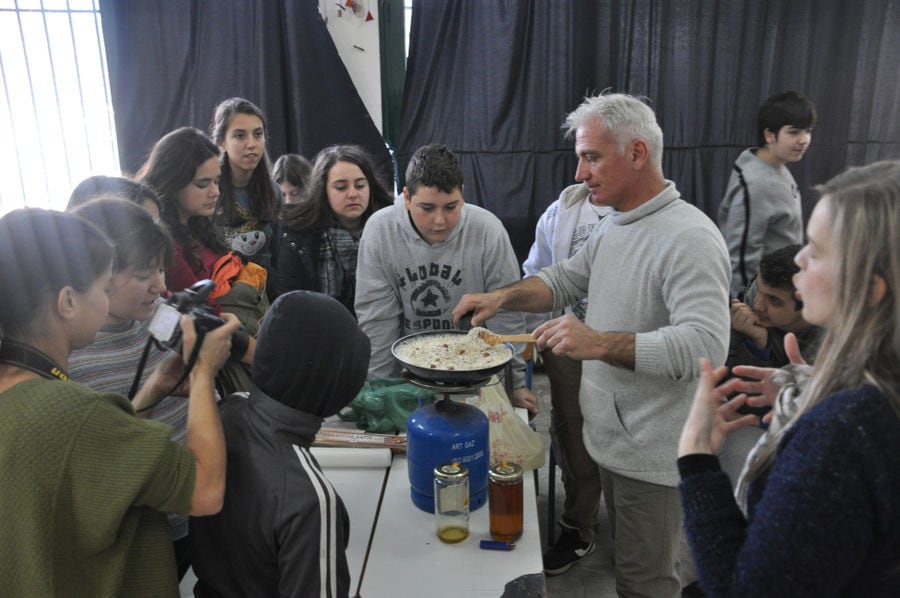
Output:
x=192 y=359
x=32 y=360
x=140 y=371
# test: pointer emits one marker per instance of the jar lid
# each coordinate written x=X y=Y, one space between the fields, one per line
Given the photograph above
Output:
x=451 y=471
x=505 y=472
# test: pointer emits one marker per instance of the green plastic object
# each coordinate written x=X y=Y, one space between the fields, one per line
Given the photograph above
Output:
x=384 y=404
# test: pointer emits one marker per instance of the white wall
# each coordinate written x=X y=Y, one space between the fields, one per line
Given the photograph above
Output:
x=357 y=43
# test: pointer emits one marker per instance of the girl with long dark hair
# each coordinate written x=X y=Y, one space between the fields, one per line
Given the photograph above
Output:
x=183 y=168
x=320 y=236
x=248 y=202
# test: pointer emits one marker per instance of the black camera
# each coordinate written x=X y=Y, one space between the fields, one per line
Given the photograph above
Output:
x=165 y=327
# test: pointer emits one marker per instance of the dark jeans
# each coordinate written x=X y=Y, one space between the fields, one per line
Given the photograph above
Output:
x=580 y=474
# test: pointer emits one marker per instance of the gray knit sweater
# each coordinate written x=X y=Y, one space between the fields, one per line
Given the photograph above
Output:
x=659 y=271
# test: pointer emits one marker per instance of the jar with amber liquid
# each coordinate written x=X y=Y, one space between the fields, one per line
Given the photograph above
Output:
x=451 y=502
x=505 y=499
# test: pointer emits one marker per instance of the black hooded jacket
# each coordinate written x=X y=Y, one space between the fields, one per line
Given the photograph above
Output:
x=283 y=530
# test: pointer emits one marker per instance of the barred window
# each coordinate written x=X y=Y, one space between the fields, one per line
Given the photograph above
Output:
x=56 y=114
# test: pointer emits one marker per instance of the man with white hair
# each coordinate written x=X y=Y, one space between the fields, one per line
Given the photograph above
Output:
x=656 y=275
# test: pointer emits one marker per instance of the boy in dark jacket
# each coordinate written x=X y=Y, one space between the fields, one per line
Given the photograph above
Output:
x=283 y=530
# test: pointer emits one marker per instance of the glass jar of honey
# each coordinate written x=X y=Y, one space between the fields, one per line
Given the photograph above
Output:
x=451 y=502
x=505 y=500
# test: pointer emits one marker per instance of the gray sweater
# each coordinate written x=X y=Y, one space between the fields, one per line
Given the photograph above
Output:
x=659 y=271
x=405 y=285
x=770 y=195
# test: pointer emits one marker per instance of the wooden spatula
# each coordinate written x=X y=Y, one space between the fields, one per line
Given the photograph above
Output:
x=492 y=338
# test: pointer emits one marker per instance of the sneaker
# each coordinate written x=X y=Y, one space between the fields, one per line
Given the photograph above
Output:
x=568 y=550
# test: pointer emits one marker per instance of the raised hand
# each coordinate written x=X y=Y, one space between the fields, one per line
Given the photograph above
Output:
x=792 y=349
x=711 y=418
x=759 y=387
x=744 y=320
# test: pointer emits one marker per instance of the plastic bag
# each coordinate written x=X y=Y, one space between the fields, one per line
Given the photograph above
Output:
x=511 y=439
x=384 y=404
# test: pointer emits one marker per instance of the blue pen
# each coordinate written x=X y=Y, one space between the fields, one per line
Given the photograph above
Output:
x=492 y=545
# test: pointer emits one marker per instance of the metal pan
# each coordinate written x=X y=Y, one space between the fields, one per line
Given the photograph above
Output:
x=453 y=377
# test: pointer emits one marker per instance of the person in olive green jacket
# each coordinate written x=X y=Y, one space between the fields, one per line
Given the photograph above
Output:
x=84 y=483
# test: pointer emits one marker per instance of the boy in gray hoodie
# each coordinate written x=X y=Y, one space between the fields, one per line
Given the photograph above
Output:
x=761 y=210
x=418 y=257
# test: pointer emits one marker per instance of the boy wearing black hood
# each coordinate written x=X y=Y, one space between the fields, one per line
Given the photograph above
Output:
x=283 y=530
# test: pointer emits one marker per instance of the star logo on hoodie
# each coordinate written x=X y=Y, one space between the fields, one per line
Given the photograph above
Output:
x=430 y=299
x=426 y=299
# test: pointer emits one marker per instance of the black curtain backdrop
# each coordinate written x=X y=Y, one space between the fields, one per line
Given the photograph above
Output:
x=172 y=61
x=494 y=81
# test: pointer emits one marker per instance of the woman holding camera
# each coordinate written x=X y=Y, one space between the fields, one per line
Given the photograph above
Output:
x=86 y=484
x=143 y=248
x=320 y=234
x=141 y=251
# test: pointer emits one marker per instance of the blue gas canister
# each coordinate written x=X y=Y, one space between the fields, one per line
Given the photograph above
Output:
x=447 y=431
